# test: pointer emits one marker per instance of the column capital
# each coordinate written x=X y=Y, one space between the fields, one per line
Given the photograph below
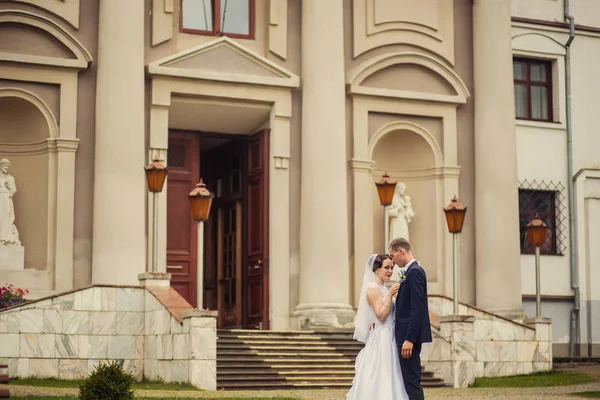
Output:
x=362 y=165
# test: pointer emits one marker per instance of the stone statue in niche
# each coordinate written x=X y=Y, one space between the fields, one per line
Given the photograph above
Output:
x=400 y=213
x=12 y=254
x=9 y=235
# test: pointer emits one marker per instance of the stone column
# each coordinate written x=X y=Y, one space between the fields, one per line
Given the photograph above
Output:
x=324 y=251
x=496 y=187
x=119 y=184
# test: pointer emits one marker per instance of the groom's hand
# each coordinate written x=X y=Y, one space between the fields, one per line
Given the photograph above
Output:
x=407 y=348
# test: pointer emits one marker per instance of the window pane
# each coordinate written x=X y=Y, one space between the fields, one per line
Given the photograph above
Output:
x=235 y=16
x=197 y=15
x=538 y=73
x=539 y=102
x=519 y=70
x=523 y=221
x=543 y=203
x=521 y=100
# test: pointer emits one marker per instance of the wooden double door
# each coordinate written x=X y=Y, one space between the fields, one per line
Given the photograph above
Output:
x=235 y=272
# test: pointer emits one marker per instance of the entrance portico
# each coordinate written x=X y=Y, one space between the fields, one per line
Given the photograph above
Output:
x=194 y=90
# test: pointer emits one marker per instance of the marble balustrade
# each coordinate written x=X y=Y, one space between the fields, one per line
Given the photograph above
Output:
x=479 y=344
x=66 y=336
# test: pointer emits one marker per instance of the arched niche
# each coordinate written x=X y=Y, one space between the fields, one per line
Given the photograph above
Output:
x=26 y=126
x=56 y=62
x=409 y=157
x=21 y=122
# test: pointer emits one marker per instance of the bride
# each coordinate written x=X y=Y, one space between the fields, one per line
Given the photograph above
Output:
x=377 y=366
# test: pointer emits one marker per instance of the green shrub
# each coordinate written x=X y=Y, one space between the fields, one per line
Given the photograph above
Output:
x=107 y=382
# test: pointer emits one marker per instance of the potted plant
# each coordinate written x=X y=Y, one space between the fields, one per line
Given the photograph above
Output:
x=11 y=296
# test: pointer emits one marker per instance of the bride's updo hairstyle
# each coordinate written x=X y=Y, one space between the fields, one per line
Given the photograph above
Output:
x=378 y=263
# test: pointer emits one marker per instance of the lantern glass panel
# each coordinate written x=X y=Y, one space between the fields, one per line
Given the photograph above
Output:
x=536 y=235
x=386 y=193
x=200 y=206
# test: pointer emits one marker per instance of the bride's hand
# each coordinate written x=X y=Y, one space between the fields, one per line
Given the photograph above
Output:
x=394 y=289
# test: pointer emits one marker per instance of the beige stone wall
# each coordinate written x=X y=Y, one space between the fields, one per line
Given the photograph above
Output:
x=403 y=153
x=167 y=27
x=84 y=175
x=35 y=203
x=463 y=34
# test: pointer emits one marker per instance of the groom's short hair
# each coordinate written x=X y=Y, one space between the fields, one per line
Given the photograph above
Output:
x=400 y=242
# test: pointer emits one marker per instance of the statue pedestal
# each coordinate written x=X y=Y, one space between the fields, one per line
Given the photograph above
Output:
x=12 y=257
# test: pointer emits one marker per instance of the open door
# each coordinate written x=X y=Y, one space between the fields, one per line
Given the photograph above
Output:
x=257 y=232
x=224 y=170
x=182 y=230
x=229 y=265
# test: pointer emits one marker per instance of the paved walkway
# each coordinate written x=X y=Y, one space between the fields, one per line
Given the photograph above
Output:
x=545 y=393
x=549 y=393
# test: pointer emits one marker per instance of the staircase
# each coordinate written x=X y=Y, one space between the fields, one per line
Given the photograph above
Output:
x=251 y=359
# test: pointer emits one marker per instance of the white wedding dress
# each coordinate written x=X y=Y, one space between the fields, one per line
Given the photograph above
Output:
x=377 y=366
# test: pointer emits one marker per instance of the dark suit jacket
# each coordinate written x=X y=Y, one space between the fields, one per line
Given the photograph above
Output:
x=412 y=311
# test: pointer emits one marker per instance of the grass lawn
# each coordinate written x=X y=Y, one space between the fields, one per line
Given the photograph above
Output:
x=554 y=378
x=589 y=395
x=57 y=383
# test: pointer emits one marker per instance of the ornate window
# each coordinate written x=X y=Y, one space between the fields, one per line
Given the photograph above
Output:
x=533 y=89
x=544 y=200
x=234 y=18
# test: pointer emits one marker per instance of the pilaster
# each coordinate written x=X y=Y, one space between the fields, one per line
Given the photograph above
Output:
x=324 y=248
x=498 y=281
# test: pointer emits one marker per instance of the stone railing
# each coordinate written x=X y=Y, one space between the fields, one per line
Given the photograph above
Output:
x=479 y=344
x=150 y=329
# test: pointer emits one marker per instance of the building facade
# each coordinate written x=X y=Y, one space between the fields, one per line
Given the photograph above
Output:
x=290 y=111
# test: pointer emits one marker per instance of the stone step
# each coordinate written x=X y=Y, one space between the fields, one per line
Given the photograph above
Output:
x=303 y=338
x=239 y=368
x=284 y=342
x=226 y=353
x=242 y=385
x=324 y=332
x=232 y=366
x=269 y=378
x=251 y=359
x=315 y=347
x=299 y=371
x=282 y=335
x=268 y=373
x=322 y=360
x=4 y=394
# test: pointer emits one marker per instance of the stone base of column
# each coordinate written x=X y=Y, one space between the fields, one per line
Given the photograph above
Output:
x=543 y=335
x=203 y=348
x=459 y=331
x=324 y=316
x=155 y=279
x=516 y=313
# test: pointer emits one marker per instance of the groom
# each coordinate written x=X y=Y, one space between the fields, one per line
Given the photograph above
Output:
x=412 y=317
